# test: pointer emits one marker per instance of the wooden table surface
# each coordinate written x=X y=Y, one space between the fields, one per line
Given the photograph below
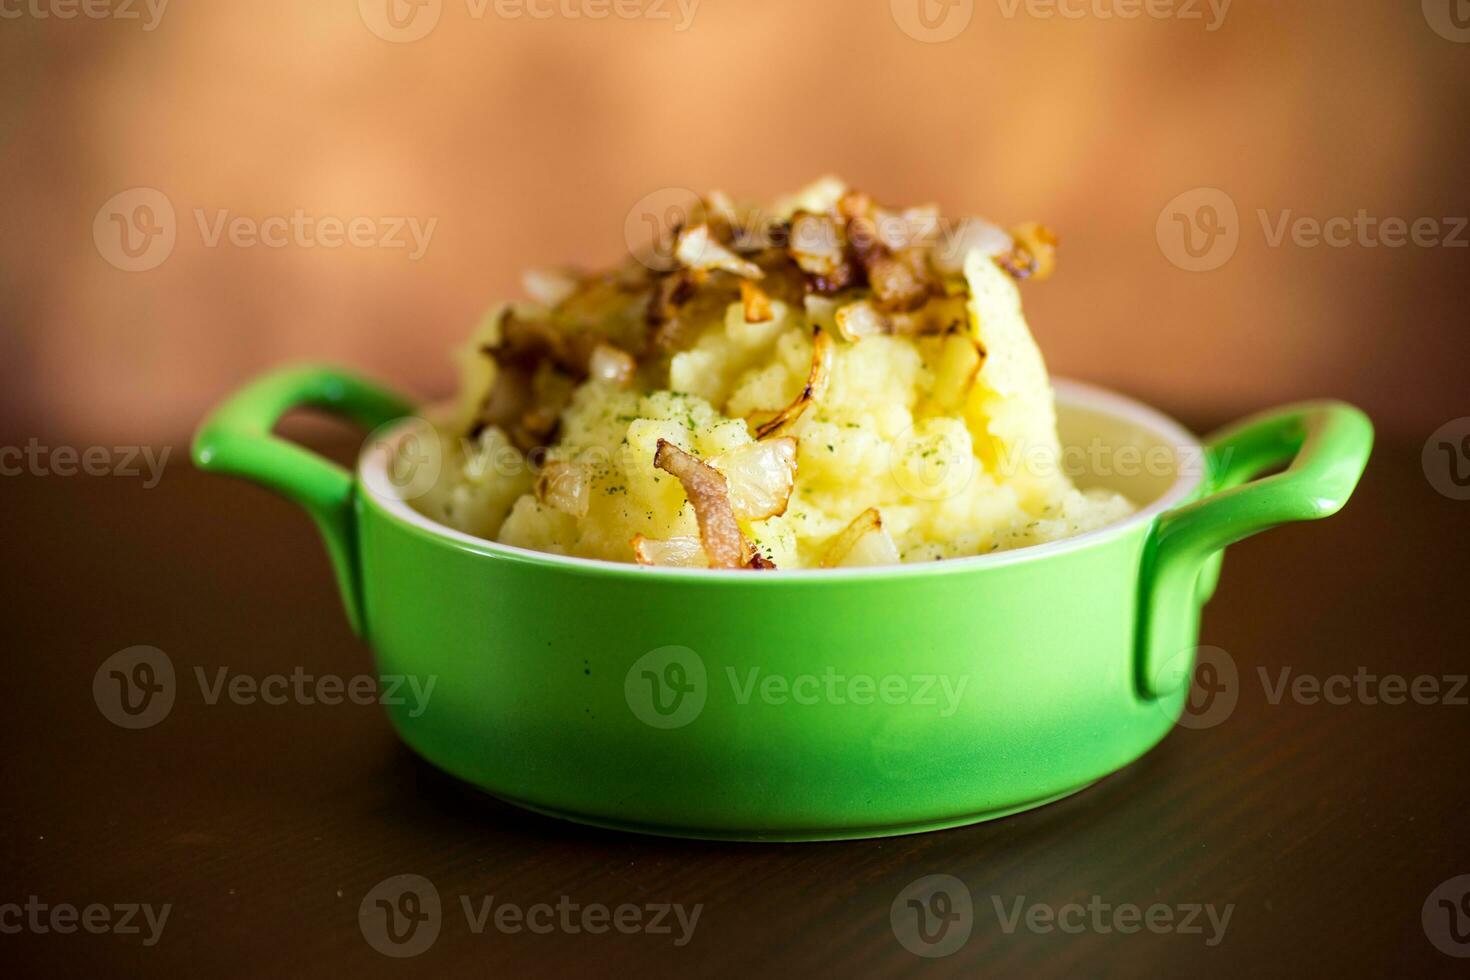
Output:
x=1323 y=828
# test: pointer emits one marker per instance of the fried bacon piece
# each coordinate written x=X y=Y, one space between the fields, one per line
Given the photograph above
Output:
x=814 y=389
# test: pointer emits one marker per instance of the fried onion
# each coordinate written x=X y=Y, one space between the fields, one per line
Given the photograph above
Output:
x=814 y=389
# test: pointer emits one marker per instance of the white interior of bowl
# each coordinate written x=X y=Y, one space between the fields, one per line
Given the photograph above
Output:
x=1108 y=441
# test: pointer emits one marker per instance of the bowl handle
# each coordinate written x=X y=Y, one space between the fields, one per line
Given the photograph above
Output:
x=236 y=439
x=1326 y=445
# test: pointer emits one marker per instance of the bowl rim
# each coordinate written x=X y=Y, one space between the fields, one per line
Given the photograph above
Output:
x=375 y=454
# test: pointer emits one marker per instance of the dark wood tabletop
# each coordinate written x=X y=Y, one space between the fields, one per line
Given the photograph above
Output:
x=1323 y=830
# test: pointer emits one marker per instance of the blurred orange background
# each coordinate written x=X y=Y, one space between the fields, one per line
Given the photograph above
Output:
x=529 y=139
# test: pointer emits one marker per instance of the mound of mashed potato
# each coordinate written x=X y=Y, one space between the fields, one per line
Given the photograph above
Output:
x=823 y=383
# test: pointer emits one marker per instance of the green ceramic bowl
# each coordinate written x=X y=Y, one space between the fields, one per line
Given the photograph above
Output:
x=799 y=705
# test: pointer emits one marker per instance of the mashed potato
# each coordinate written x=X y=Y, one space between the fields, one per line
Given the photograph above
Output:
x=920 y=422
